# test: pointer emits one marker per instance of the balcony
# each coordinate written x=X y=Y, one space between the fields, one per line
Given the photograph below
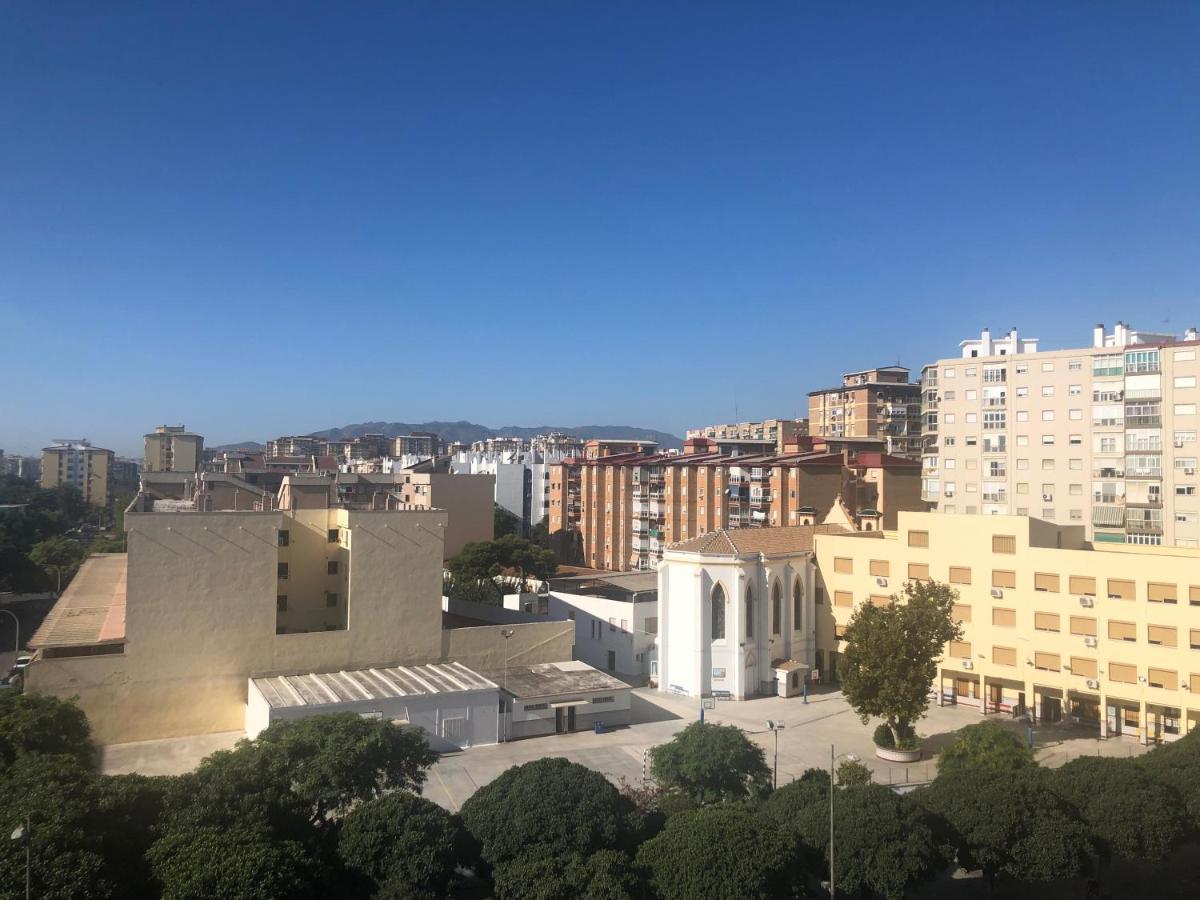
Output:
x=930 y=496
x=993 y=402
x=760 y=499
x=760 y=474
x=1143 y=526
x=656 y=478
x=995 y=497
x=1143 y=421
x=1108 y=472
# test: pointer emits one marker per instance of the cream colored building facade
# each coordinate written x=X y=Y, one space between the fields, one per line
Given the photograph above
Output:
x=1104 y=437
x=781 y=432
x=1106 y=633
x=79 y=464
x=172 y=448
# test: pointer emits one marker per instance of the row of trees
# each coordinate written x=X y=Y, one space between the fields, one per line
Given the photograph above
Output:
x=329 y=806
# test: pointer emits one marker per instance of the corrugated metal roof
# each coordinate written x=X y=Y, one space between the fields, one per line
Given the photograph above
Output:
x=326 y=688
x=92 y=608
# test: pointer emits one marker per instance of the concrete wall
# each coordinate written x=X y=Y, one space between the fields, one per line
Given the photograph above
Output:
x=484 y=649
x=538 y=722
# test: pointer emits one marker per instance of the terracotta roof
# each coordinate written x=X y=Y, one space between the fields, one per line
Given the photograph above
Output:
x=745 y=541
x=92 y=608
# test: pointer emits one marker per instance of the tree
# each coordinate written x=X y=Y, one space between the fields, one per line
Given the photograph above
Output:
x=128 y=808
x=1005 y=823
x=987 y=746
x=711 y=764
x=785 y=805
x=1129 y=814
x=550 y=803
x=851 y=773
x=405 y=845
x=338 y=759
x=884 y=843
x=892 y=652
x=107 y=544
x=1177 y=765
x=719 y=852
x=485 y=560
x=35 y=723
x=58 y=555
x=605 y=875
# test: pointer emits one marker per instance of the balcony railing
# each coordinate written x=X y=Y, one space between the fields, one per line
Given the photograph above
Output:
x=1143 y=526
x=1143 y=421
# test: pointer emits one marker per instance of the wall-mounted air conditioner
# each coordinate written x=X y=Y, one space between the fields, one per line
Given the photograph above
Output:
x=968 y=664
x=1093 y=683
x=997 y=593
x=882 y=582
x=1086 y=600
x=1047 y=497
x=1089 y=641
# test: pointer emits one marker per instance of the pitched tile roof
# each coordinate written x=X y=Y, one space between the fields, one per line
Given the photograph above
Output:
x=745 y=541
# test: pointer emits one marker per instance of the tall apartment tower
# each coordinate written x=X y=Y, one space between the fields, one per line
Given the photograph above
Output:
x=172 y=448
x=878 y=403
x=76 y=462
x=1101 y=436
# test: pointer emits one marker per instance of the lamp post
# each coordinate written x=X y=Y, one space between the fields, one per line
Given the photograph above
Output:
x=506 y=633
x=833 y=758
x=22 y=833
x=17 y=626
x=775 y=728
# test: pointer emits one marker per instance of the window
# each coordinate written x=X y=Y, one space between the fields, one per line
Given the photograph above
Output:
x=1082 y=625
x=1004 y=618
x=1122 y=672
x=1082 y=584
x=918 y=539
x=1002 y=578
x=284 y=537
x=1004 y=656
x=281 y=603
x=331 y=567
x=1121 y=631
x=960 y=649
x=1162 y=635
x=332 y=536
x=1047 y=662
x=1022 y=392
x=1044 y=621
x=1022 y=415
x=843 y=565
x=1194 y=595
x=1047 y=390
x=918 y=572
x=960 y=575
x=961 y=612
x=879 y=568
x=1159 y=592
x=839 y=631
x=1185 y=381
x=1185 y=409
x=1120 y=589
x=1162 y=678
x=1083 y=668
x=1004 y=543
x=331 y=599
x=283 y=570
x=776 y=609
x=749 y=613
x=843 y=598
x=1043 y=581
x=797 y=604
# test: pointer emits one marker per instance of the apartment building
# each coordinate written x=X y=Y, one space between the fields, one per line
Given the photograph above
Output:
x=419 y=443
x=620 y=512
x=77 y=463
x=1104 y=633
x=172 y=448
x=778 y=432
x=522 y=477
x=876 y=403
x=165 y=640
x=1104 y=437
x=296 y=445
x=596 y=448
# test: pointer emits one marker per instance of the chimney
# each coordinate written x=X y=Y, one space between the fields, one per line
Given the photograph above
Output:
x=985 y=338
x=1190 y=334
x=1098 y=335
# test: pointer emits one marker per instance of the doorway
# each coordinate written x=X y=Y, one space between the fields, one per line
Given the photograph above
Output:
x=564 y=719
x=1051 y=710
x=612 y=660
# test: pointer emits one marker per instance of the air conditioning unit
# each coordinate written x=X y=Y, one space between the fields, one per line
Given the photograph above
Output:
x=1086 y=601
x=1047 y=497
x=882 y=582
x=968 y=664
x=1089 y=641
x=997 y=593
x=1093 y=683
x=1189 y=471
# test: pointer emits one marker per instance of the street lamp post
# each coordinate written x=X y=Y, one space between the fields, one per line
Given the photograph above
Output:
x=17 y=627
x=833 y=758
x=21 y=833
x=506 y=633
x=775 y=728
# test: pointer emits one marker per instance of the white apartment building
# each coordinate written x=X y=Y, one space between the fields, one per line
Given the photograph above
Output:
x=1102 y=436
x=522 y=478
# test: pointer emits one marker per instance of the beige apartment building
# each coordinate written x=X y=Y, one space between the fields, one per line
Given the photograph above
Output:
x=875 y=403
x=164 y=640
x=778 y=432
x=1103 y=437
x=172 y=448
x=1104 y=633
x=77 y=463
x=620 y=512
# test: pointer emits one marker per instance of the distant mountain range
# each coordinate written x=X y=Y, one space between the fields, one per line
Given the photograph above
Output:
x=469 y=432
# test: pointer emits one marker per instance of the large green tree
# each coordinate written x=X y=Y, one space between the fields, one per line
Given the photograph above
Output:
x=1129 y=813
x=719 y=852
x=1011 y=824
x=892 y=652
x=39 y=724
x=989 y=746
x=404 y=845
x=549 y=803
x=58 y=556
x=539 y=875
x=884 y=843
x=1178 y=765
x=711 y=764
x=508 y=554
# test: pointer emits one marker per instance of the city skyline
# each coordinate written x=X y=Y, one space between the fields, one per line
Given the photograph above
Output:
x=399 y=204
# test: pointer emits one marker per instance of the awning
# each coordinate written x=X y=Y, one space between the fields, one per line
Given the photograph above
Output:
x=562 y=704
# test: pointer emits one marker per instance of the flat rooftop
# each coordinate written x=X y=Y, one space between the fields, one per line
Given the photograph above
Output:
x=556 y=680
x=328 y=688
x=92 y=608
x=632 y=582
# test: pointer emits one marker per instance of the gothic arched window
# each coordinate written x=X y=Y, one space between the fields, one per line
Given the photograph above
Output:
x=749 y=613
x=776 y=609
x=718 y=613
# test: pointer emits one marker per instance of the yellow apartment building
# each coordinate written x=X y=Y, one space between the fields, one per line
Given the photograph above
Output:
x=1108 y=634
x=172 y=448
x=79 y=464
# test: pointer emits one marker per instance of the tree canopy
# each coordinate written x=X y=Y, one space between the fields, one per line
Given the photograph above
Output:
x=718 y=852
x=989 y=746
x=39 y=724
x=540 y=875
x=711 y=764
x=58 y=556
x=892 y=652
x=484 y=560
x=550 y=803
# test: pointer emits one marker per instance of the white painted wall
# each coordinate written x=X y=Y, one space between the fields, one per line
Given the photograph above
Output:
x=602 y=625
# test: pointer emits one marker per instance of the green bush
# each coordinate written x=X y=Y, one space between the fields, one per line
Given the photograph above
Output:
x=883 y=738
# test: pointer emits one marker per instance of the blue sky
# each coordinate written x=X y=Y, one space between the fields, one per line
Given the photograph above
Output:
x=263 y=218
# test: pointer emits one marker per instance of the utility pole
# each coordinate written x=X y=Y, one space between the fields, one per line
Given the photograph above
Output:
x=775 y=728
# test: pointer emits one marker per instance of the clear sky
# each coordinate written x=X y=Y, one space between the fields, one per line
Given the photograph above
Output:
x=273 y=218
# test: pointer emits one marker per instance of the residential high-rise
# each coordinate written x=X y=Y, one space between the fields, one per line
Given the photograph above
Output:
x=780 y=432
x=875 y=403
x=172 y=448
x=1102 y=436
x=76 y=462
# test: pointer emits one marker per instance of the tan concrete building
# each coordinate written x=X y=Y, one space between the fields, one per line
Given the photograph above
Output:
x=172 y=448
x=163 y=641
x=1104 y=437
x=1108 y=634
x=79 y=464
x=779 y=432
x=619 y=512
x=875 y=403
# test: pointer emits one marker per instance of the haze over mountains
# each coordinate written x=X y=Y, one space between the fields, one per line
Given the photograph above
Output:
x=469 y=432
